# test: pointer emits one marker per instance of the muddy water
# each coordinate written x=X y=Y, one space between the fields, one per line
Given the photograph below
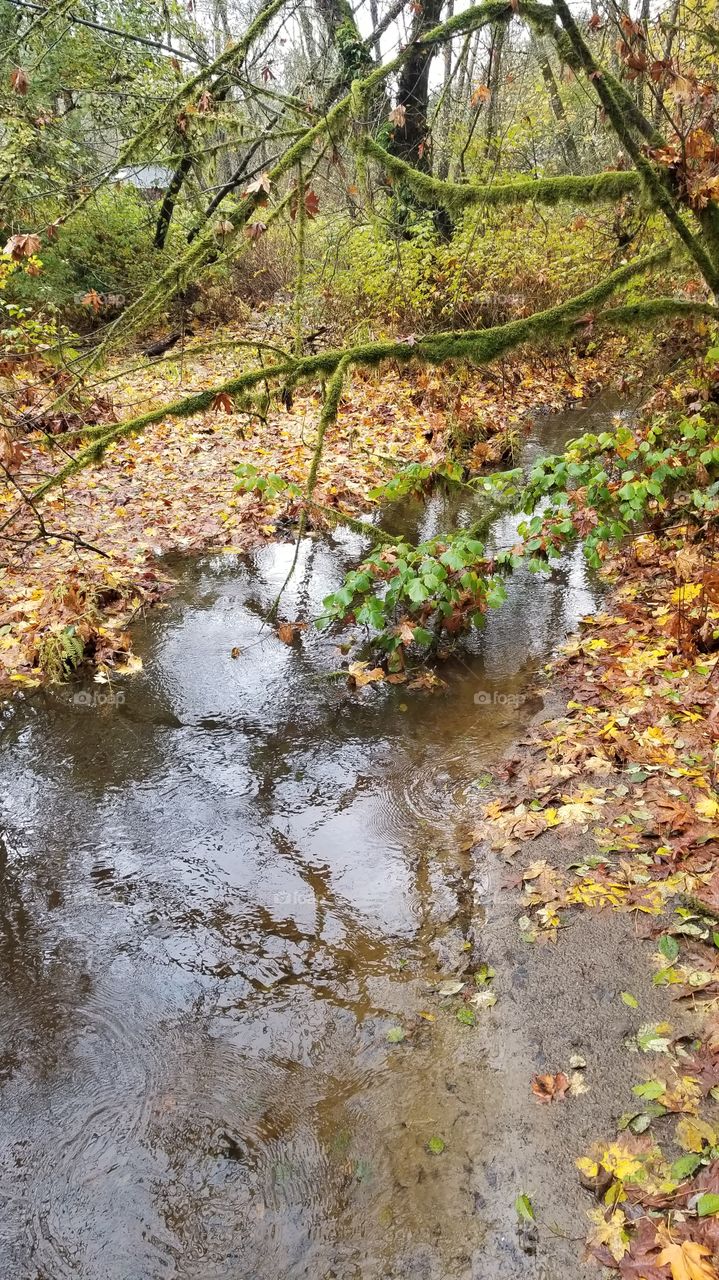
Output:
x=220 y=889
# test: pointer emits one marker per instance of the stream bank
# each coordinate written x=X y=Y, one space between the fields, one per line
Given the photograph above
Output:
x=170 y=491
x=231 y=891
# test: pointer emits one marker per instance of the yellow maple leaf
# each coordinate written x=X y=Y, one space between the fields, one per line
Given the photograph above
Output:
x=620 y=1162
x=688 y=1260
x=707 y=807
x=692 y=1134
x=612 y=1232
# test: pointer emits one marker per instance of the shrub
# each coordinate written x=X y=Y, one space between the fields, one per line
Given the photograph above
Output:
x=104 y=251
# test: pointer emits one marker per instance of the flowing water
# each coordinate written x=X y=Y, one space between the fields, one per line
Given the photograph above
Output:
x=221 y=883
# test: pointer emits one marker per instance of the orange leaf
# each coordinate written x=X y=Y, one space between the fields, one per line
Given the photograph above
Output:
x=222 y=401
x=688 y=1260
x=550 y=1088
x=19 y=80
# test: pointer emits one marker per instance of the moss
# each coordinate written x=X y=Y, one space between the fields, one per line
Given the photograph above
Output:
x=650 y=310
x=354 y=54
x=328 y=415
x=479 y=345
x=455 y=196
x=471 y=19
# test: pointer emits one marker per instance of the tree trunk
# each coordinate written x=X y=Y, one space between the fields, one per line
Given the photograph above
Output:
x=494 y=80
x=410 y=138
x=445 y=120
x=566 y=137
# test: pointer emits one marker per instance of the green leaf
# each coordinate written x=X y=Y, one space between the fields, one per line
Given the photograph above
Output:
x=436 y=1146
x=395 y=1035
x=629 y=999
x=707 y=1204
x=669 y=948
x=466 y=1017
x=523 y=1206
x=422 y=636
x=417 y=591
x=685 y=1166
x=651 y=1089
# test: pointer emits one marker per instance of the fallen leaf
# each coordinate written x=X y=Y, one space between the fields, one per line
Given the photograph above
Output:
x=687 y=1259
x=550 y=1088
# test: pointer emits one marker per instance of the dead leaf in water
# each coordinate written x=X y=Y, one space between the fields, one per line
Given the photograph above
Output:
x=358 y=671
x=451 y=987
x=288 y=631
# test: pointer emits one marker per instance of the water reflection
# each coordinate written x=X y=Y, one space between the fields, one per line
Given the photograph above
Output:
x=216 y=898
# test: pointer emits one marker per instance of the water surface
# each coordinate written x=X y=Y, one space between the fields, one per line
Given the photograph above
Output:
x=218 y=894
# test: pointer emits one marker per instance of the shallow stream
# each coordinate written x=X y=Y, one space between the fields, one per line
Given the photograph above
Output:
x=220 y=888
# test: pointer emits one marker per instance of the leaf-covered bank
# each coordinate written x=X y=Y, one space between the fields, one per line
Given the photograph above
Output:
x=621 y=791
x=68 y=596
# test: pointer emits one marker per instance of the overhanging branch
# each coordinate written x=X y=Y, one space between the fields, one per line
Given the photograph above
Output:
x=479 y=346
x=454 y=196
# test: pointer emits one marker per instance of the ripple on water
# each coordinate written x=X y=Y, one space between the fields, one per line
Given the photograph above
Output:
x=232 y=887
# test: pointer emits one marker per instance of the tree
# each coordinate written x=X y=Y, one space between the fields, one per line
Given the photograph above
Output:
x=674 y=173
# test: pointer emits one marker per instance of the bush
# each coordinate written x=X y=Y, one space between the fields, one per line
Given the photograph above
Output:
x=484 y=275
x=105 y=251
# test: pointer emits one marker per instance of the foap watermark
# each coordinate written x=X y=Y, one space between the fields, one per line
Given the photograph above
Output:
x=96 y=300
x=495 y=698
x=98 y=698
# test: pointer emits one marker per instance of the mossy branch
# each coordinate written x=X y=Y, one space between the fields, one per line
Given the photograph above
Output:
x=328 y=415
x=650 y=310
x=455 y=196
x=615 y=106
x=477 y=345
x=374 y=532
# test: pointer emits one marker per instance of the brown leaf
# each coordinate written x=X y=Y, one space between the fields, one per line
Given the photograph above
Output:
x=550 y=1088
x=642 y=1260
x=255 y=229
x=399 y=115
x=289 y=631
x=223 y=401
x=19 y=81
x=312 y=204
x=22 y=245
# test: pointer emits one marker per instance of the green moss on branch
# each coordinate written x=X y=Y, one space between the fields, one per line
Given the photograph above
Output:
x=454 y=196
x=477 y=345
x=650 y=310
